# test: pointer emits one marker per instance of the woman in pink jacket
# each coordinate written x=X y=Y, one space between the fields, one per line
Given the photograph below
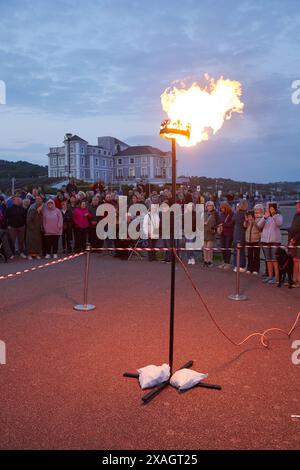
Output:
x=81 y=221
x=52 y=227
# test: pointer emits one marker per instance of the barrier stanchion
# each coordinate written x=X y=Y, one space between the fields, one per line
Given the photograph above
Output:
x=237 y=295
x=86 y=306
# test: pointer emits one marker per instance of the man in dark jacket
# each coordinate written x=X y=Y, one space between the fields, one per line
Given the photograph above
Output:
x=16 y=220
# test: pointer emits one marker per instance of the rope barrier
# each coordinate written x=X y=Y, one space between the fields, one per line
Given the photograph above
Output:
x=264 y=340
x=189 y=249
x=41 y=266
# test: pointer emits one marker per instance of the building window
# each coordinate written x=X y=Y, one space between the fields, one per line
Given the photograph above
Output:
x=164 y=172
x=158 y=171
x=103 y=162
x=131 y=160
x=120 y=161
x=120 y=172
x=97 y=161
x=144 y=160
x=131 y=172
x=110 y=163
x=144 y=172
x=61 y=161
x=82 y=150
x=104 y=152
x=99 y=151
x=82 y=161
x=54 y=161
x=72 y=161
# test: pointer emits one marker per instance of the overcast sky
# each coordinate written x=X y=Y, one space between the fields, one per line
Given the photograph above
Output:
x=98 y=67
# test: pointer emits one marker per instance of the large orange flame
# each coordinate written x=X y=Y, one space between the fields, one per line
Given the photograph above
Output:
x=202 y=109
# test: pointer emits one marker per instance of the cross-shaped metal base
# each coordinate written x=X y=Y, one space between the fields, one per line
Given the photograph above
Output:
x=157 y=390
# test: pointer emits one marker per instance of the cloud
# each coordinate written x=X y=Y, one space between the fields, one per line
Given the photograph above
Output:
x=99 y=67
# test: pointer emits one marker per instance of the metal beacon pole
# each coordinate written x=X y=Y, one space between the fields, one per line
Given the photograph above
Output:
x=169 y=132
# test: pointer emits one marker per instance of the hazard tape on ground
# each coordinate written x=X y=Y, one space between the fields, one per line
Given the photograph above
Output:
x=40 y=266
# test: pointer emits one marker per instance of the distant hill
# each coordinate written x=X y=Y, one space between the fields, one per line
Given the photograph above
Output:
x=227 y=185
x=21 y=169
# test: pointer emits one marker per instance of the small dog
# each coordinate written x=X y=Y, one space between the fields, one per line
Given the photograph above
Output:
x=286 y=264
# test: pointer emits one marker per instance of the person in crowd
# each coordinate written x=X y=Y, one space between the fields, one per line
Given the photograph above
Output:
x=81 y=223
x=67 y=233
x=210 y=227
x=239 y=234
x=81 y=196
x=151 y=226
x=53 y=227
x=71 y=187
x=252 y=240
x=270 y=225
x=3 y=206
x=294 y=241
x=190 y=232
x=93 y=238
x=59 y=198
x=16 y=220
x=225 y=231
x=4 y=241
x=26 y=204
x=34 y=228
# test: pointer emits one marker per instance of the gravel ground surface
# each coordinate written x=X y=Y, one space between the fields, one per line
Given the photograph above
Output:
x=62 y=386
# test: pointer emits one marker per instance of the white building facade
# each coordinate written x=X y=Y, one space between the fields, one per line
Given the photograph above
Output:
x=111 y=161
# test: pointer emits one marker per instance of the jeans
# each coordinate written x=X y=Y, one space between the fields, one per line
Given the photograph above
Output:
x=253 y=258
x=17 y=234
x=242 y=252
x=190 y=252
x=226 y=242
x=208 y=251
x=51 y=244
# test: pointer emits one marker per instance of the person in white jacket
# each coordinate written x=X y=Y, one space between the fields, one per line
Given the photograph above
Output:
x=151 y=224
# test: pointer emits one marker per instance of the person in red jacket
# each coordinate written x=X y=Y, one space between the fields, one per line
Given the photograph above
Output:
x=81 y=222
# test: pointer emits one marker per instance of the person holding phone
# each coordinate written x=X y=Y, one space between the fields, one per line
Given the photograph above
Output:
x=270 y=225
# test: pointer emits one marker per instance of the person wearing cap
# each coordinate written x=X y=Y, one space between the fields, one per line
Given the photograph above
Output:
x=210 y=228
x=53 y=227
x=294 y=241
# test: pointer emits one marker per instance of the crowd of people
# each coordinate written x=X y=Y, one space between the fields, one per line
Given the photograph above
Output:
x=35 y=226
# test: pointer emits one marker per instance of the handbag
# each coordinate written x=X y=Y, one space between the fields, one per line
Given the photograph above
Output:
x=220 y=227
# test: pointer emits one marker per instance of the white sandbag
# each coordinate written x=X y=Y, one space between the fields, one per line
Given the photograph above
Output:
x=184 y=379
x=150 y=376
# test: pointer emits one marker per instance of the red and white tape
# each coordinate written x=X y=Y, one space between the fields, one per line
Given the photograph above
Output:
x=40 y=266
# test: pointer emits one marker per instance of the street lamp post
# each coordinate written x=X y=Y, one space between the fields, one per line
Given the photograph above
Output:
x=68 y=138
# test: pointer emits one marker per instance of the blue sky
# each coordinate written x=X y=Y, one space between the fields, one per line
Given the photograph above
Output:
x=98 y=67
